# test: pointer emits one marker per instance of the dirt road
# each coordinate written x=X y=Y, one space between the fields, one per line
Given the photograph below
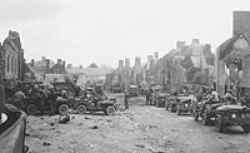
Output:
x=142 y=129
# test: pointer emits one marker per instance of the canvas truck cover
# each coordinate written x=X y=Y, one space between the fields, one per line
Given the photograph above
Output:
x=12 y=138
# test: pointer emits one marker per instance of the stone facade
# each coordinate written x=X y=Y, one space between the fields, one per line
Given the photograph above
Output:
x=13 y=57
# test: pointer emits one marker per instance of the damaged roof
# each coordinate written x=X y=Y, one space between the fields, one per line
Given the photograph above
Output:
x=227 y=47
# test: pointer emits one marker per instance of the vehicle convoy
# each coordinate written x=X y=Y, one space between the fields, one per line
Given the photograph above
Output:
x=232 y=115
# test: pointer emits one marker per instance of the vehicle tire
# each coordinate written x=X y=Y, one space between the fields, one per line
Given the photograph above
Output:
x=81 y=109
x=63 y=109
x=32 y=109
x=246 y=128
x=219 y=124
x=110 y=110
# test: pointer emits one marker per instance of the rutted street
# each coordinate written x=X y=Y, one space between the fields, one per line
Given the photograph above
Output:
x=141 y=129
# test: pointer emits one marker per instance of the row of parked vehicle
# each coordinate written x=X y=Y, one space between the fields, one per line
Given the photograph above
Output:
x=222 y=113
x=60 y=99
x=208 y=110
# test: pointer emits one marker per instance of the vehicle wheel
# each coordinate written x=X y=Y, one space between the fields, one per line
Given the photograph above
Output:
x=110 y=110
x=219 y=124
x=32 y=109
x=63 y=109
x=246 y=128
x=81 y=109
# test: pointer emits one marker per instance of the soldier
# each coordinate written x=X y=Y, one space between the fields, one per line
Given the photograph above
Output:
x=36 y=94
x=151 y=96
x=51 y=100
x=126 y=96
x=230 y=99
x=19 y=98
x=147 y=96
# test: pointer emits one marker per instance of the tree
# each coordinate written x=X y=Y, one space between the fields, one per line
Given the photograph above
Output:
x=93 y=65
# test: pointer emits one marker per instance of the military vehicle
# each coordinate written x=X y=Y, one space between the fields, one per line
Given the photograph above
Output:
x=232 y=115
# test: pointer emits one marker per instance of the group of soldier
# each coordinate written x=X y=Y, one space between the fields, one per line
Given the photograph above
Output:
x=40 y=94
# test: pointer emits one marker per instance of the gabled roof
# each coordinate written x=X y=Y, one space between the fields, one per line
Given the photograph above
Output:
x=227 y=47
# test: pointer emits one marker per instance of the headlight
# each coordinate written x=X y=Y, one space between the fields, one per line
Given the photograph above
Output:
x=233 y=115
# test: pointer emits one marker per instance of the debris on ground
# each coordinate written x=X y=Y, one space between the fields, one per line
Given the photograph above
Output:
x=87 y=118
x=91 y=146
x=46 y=144
x=94 y=127
x=138 y=130
x=52 y=124
x=139 y=145
x=80 y=124
x=64 y=119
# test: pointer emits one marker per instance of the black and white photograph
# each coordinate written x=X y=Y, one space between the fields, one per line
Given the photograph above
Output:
x=125 y=76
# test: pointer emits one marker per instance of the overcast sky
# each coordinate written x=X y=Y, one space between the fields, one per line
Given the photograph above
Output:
x=104 y=31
